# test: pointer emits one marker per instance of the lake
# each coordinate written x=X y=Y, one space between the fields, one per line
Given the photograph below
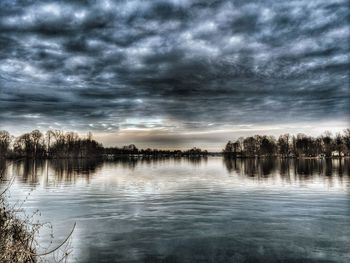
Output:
x=190 y=210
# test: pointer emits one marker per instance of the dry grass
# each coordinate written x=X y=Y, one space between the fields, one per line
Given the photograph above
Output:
x=16 y=239
x=18 y=235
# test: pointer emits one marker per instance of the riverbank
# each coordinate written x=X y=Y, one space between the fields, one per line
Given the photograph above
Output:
x=18 y=234
x=16 y=237
x=109 y=157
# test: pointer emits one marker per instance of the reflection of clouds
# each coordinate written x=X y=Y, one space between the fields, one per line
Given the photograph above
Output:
x=152 y=204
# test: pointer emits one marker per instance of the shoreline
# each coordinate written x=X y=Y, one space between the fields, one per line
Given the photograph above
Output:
x=136 y=156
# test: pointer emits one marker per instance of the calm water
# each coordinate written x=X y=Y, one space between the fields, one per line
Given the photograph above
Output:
x=200 y=210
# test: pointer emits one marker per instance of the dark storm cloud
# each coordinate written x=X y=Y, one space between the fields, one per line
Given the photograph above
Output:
x=98 y=64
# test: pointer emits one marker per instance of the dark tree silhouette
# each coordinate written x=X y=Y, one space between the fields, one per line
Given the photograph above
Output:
x=290 y=146
x=59 y=144
x=283 y=145
x=339 y=145
x=346 y=140
x=327 y=143
x=5 y=140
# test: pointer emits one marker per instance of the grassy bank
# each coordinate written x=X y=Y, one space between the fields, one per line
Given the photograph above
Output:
x=17 y=242
x=18 y=234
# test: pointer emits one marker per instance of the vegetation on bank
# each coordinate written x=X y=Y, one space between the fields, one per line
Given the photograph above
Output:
x=16 y=241
x=59 y=144
x=18 y=235
x=288 y=145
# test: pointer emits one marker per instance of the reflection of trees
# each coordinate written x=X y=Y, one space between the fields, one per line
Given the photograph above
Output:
x=306 y=167
x=132 y=162
x=303 y=168
x=2 y=168
x=68 y=169
x=267 y=166
x=30 y=170
x=250 y=167
x=230 y=163
x=346 y=166
x=340 y=166
x=285 y=167
x=125 y=162
x=329 y=167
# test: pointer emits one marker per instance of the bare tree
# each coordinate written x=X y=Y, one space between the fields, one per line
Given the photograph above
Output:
x=5 y=141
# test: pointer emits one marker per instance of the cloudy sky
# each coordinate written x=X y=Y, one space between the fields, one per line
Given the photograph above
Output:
x=174 y=73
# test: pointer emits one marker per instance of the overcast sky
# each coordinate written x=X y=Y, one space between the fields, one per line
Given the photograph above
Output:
x=174 y=73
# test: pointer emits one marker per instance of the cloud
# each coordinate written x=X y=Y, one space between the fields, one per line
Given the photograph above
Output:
x=221 y=62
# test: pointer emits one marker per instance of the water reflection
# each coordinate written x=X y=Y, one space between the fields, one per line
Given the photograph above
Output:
x=303 y=168
x=32 y=171
x=192 y=210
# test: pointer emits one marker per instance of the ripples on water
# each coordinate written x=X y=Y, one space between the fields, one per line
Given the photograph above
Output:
x=193 y=210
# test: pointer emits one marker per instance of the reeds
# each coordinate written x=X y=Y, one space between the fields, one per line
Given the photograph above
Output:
x=18 y=235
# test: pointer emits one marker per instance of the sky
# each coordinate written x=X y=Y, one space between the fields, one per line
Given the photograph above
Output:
x=174 y=74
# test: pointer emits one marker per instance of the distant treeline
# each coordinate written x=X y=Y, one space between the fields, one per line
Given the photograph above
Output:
x=132 y=150
x=59 y=144
x=287 y=145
